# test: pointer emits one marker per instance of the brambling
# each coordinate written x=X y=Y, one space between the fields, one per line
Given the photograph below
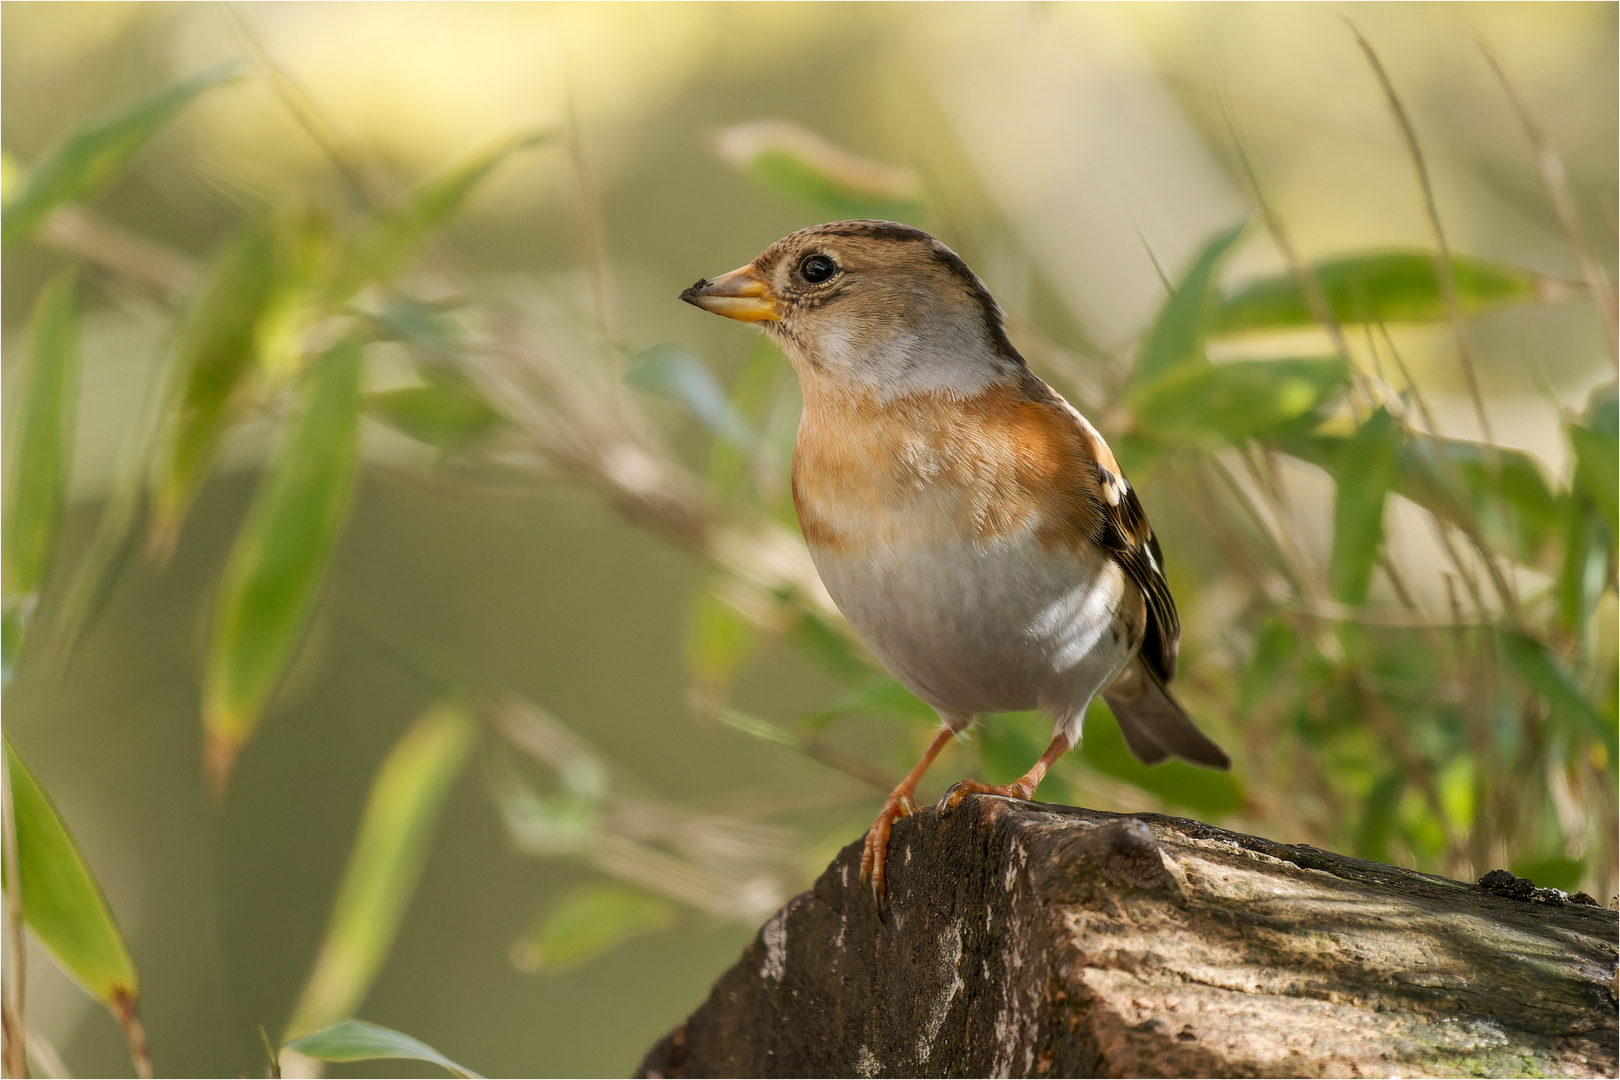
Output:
x=973 y=527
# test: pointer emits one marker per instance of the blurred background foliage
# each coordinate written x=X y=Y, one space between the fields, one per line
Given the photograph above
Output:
x=405 y=615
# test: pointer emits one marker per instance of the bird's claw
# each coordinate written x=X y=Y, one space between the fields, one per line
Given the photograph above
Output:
x=963 y=788
x=876 y=849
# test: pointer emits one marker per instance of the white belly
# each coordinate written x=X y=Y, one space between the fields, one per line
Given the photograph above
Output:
x=972 y=629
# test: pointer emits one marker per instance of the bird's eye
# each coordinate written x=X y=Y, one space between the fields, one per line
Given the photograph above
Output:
x=817 y=268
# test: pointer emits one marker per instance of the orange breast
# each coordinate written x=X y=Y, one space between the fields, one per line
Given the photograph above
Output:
x=928 y=469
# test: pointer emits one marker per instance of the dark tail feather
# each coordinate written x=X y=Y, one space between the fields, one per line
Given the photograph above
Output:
x=1154 y=724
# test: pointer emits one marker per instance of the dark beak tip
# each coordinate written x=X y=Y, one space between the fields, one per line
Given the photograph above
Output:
x=691 y=295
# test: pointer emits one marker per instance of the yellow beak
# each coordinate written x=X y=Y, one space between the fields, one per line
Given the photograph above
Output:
x=737 y=295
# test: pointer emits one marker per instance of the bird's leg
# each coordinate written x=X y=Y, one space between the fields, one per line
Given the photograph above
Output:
x=1022 y=788
x=895 y=807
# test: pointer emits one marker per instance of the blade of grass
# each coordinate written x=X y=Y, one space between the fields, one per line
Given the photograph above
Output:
x=213 y=360
x=40 y=453
x=93 y=154
x=396 y=831
x=1177 y=336
x=63 y=905
x=357 y=1040
x=280 y=557
x=591 y=920
x=1442 y=258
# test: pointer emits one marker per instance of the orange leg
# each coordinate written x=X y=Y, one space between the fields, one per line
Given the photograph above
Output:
x=895 y=807
x=1022 y=788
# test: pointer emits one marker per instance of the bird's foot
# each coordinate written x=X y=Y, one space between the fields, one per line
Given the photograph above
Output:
x=895 y=807
x=1019 y=789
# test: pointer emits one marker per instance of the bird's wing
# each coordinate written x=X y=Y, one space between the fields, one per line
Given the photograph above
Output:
x=1126 y=535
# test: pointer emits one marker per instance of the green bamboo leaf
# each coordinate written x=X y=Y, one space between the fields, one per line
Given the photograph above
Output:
x=214 y=356
x=357 y=1040
x=591 y=920
x=1583 y=575
x=279 y=560
x=389 y=853
x=760 y=729
x=387 y=244
x=41 y=438
x=1274 y=646
x=62 y=903
x=1377 y=287
x=91 y=155
x=1176 y=782
x=1378 y=816
x=882 y=696
x=1368 y=466
x=828 y=647
x=440 y=414
x=1240 y=400
x=719 y=640
x=671 y=371
x=1597 y=457
x=786 y=158
x=1552 y=872
x=1538 y=667
x=1178 y=333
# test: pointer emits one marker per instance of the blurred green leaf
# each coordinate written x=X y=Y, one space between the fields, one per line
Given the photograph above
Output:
x=385 y=246
x=671 y=371
x=760 y=729
x=439 y=414
x=1374 y=287
x=39 y=445
x=1274 y=646
x=389 y=853
x=305 y=250
x=1009 y=743
x=882 y=696
x=1176 y=782
x=1378 y=816
x=1178 y=333
x=213 y=358
x=591 y=920
x=1597 y=468
x=719 y=640
x=1584 y=574
x=1538 y=667
x=94 y=153
x=357 y=1040
x=786 y=158
x=829 y=648
x=1556 y=872
x=280 y=556
x=1367 y=467
x=1241 y=400
x=61 y=901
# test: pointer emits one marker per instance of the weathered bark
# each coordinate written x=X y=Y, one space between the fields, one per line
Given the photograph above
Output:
x=1034 y=940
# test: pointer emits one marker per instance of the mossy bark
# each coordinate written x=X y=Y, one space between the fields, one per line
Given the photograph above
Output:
x=1033 y=940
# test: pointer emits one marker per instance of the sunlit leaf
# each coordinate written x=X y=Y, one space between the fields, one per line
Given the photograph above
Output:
x=62 y=903
x=94 y=153
x=1564 y=696
x=214 y=357
x=389 y=852
x=673 y=372
x=279 y=560
x=304 y=253
x=39 y=447
x=385 y=246
x=1178 y=333
x=589 y=921
x=1176 y=782
x=357 y=1040
x=439 y=414
x=799 y=163
x=1374 y=287
x=1367 y=468
x=1241 y=400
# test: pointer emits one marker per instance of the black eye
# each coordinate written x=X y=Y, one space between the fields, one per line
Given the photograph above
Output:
x=817 y=268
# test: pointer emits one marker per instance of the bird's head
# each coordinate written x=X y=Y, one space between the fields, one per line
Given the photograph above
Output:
x=872 y=306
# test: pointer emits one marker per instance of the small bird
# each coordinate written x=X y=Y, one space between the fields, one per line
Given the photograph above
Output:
x=973 y=527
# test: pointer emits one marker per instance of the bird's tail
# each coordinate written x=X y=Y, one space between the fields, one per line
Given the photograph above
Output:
x=1154 y=724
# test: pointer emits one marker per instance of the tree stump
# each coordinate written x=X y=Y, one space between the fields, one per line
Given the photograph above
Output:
x=1024 y=939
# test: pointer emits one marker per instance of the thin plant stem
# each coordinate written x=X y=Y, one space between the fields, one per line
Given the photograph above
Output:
x=1442 y=260
x=1563 y=200
x=16 y=1048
